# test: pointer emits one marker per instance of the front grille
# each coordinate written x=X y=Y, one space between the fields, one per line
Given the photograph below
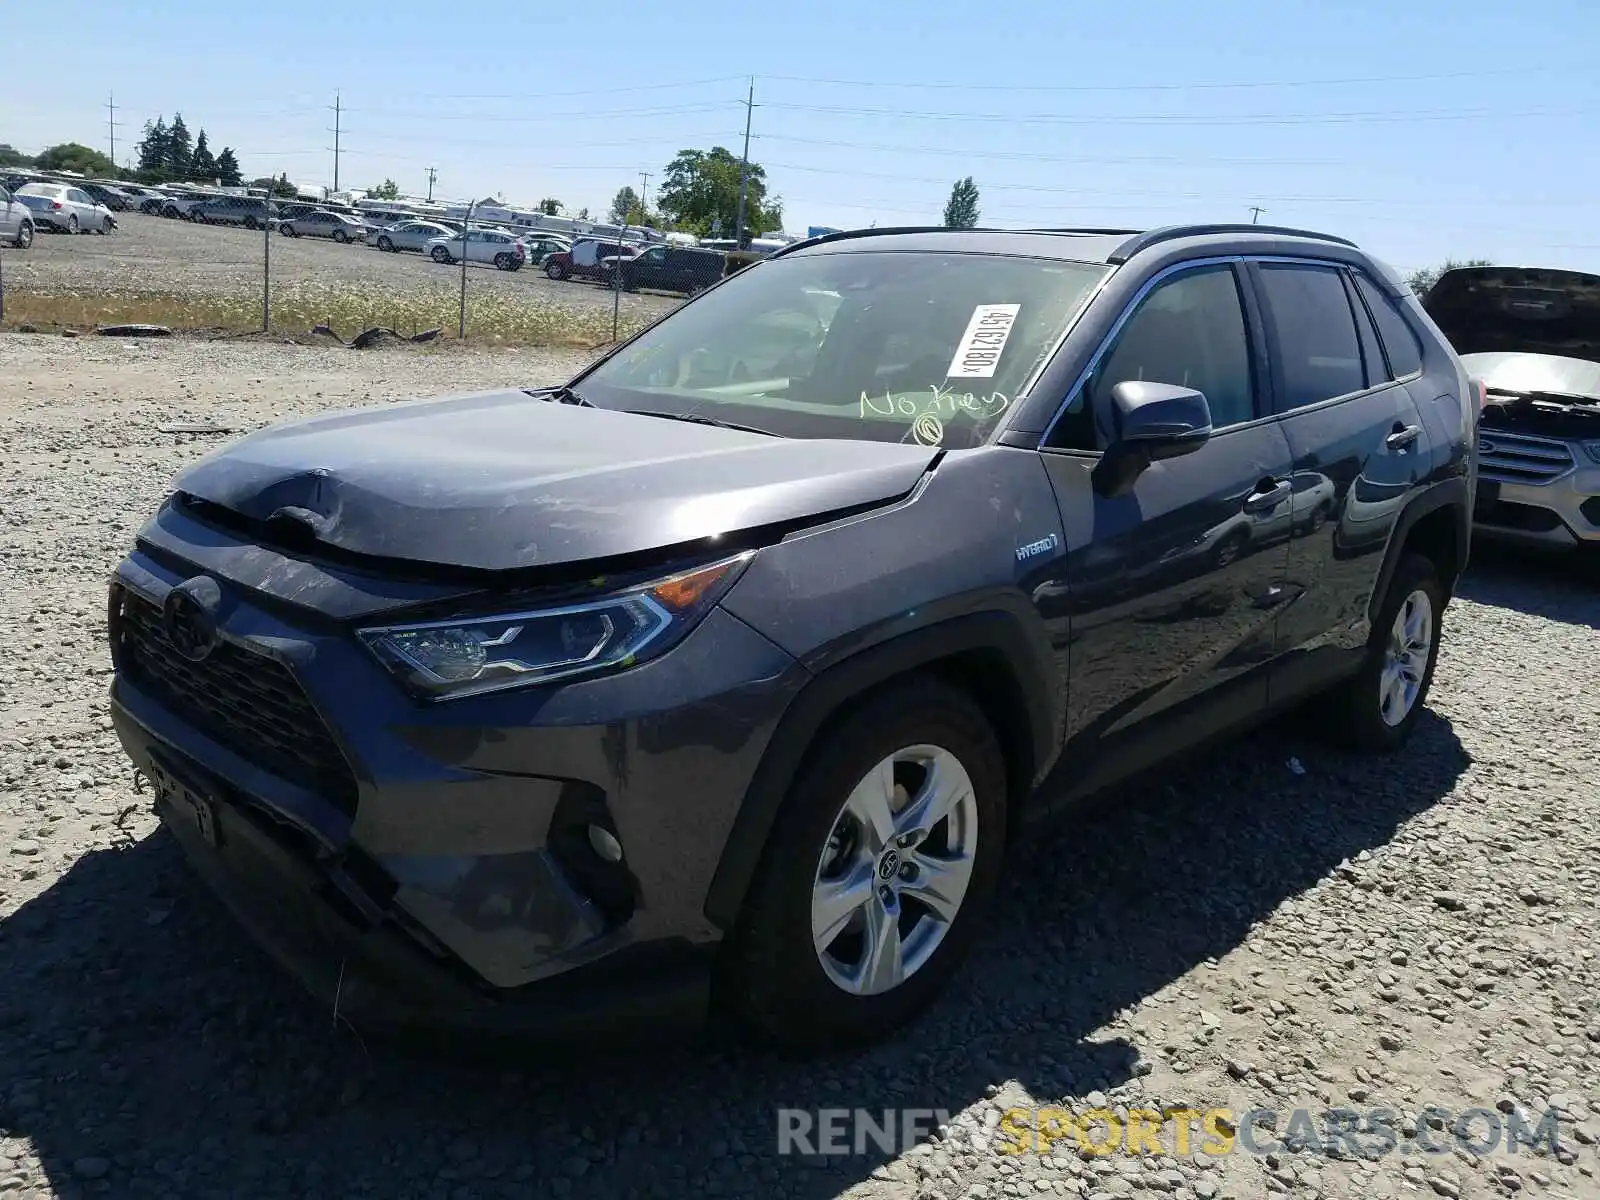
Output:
x=1521 y=458
x=246 y=701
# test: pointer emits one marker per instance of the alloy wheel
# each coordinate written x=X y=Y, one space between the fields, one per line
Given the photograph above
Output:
x=1405 y=658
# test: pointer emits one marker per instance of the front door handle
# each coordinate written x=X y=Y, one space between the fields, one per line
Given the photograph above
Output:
x=1275 y=493
x=1402 y=436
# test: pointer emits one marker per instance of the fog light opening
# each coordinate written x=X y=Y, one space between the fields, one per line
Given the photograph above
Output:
x=603 y=843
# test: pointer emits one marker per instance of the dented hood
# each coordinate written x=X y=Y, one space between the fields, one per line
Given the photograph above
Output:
x=504 y=480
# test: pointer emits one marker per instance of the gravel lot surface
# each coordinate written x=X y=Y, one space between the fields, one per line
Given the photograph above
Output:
x=1277 y=926
x=156 y=254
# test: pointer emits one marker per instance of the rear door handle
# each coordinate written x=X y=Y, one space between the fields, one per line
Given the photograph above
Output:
x=1402 y=436
x=1260 y=501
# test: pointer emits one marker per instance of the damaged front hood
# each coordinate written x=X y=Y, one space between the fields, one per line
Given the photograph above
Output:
x=503 y=480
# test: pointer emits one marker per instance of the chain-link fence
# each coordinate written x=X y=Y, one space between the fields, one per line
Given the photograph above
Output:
x=237 y=264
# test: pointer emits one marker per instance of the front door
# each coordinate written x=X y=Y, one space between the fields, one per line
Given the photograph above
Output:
x=1167 y=595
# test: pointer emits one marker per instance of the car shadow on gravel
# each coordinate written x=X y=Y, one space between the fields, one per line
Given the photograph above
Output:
x=1556 y=587
x=148 y=1050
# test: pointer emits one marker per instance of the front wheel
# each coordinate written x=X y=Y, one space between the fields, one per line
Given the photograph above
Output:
x=24 y=237
x=385 y=244
x=441 y=256
x=287 y=230
x=883 y=857
x=250 y=223
x=106 y=225
x=502 y=262
x=1382 y=702
x=554 y=271
x=340 y=236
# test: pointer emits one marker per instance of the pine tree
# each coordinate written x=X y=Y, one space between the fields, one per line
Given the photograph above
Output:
x=228 y=168
x=179 y=150
x=202 y=165
x=962 y=210
x=153 y=149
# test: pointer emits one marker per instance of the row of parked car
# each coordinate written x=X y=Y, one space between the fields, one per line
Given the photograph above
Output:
x=49 y=207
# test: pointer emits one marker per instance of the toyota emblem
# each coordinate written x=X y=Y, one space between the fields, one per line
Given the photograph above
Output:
x=189 y=617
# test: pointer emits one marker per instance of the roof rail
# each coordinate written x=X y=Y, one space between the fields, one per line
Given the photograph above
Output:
x=1094 y=232
x=847 y=234
x=1168 y=233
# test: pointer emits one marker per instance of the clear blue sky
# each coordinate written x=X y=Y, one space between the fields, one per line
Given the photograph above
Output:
x=1424 y=129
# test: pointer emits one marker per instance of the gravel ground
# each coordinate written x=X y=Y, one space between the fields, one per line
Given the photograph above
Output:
x=1277 y=926
x=156 y=254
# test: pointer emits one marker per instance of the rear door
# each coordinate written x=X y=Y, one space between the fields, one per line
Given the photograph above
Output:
x=1360 y=449
x=10 y=215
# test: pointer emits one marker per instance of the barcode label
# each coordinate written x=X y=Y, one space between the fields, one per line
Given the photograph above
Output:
x=979 y=352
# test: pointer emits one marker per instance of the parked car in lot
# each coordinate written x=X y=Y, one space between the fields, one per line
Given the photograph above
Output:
x=490 y=246
x=672 y=269
x=321 y=223
x=16 y=221
x=540 y=246
x=411 y=235
x=530 y=710
x=181 y=206
x=588 y=259
x=65 y=209
x=1532 y=336
x=114 y=198
x=253 y=212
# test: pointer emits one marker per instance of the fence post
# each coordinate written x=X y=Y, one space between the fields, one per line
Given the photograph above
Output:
x=266 y=269
x=466 y=228
x=616 y=281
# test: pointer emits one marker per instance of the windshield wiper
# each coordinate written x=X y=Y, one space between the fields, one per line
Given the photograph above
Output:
x=701 y=419
x=560 y=395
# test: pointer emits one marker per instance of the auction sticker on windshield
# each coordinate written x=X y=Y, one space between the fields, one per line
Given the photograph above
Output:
x=979 y=352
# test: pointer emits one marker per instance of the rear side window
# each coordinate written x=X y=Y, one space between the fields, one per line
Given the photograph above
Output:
x=1318 y=349
x=1399 y=339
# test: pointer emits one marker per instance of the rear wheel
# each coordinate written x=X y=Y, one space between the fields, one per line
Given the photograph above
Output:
x=24 y=237
x=72 y=223
x=502 y=262
x=287 y=230
x=251 y=223
x=340 y=236
x=1382 y=702
x=441 y=255
x=874 y=880
x=385 y=244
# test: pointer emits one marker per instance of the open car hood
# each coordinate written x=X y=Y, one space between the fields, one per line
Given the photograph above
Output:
x=1518 y=311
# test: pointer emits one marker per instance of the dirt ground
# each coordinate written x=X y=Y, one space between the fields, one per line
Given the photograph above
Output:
x=1279 y=926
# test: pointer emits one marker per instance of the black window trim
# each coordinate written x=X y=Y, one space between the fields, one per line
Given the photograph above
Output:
x=1262 y=382
x=1356 y=276
x=1252 y=267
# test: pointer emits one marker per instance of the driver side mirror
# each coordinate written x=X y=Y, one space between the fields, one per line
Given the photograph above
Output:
x=1152 y=422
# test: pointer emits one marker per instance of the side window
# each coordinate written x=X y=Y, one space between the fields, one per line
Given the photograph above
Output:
x=1317 y=344
x=1377 y=370
x=1399 y=339
x=1190 y=331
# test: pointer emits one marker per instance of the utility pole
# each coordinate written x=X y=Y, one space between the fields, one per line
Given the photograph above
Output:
x=644 y=193
x=432 y=175
x=337 y=111
x=112 y=122
x=744 y=168
x=1255 y=213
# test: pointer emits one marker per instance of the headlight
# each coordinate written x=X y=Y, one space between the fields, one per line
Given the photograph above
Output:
x=1593 y=450
x=444 y=660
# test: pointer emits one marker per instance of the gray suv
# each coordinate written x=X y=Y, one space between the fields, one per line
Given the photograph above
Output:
x=1531 y=335
x=723 y=676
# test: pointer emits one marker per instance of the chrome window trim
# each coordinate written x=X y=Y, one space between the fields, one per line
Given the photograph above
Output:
x=1128 y=310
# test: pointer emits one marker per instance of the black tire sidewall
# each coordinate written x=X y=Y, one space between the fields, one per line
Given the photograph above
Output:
x=1368 y=728
x=772 y=977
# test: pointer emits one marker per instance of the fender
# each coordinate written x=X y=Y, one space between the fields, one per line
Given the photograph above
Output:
x=827 y=692
x=1446 y=492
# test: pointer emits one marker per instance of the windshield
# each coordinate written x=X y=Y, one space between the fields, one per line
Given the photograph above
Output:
x=883 y=345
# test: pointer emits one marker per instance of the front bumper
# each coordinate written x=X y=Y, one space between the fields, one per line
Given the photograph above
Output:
x=1562 y=514
x=453 y=884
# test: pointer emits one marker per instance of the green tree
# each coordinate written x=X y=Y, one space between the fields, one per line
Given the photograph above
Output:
x=550 y=206
x=70 y=156
x=961 y=211
x=628 y=209
x=180 y=149
x=583 y=213
x=700 y=187
x=1421 y=281
x=228 y=168
x=276 y=187
x=152 y=151
x=10 y=156
x=202 y=164
x=387 y=190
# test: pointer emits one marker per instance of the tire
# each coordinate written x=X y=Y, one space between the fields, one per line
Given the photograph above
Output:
x=555 y=271
x=385 y=244
x=105 y=226
x=251 y=223
x=771 y=975
x=287 y=230
x=72 y=223
x=24 y=237
x=441 y=256
x=1374 y=718
x=340 y=236
x=502 y=262
x=1230 y=549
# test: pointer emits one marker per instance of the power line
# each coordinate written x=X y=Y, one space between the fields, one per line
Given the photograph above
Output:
x=1178 y=87
x=675 y=110
x=1183 y=118
x=1031 y=157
